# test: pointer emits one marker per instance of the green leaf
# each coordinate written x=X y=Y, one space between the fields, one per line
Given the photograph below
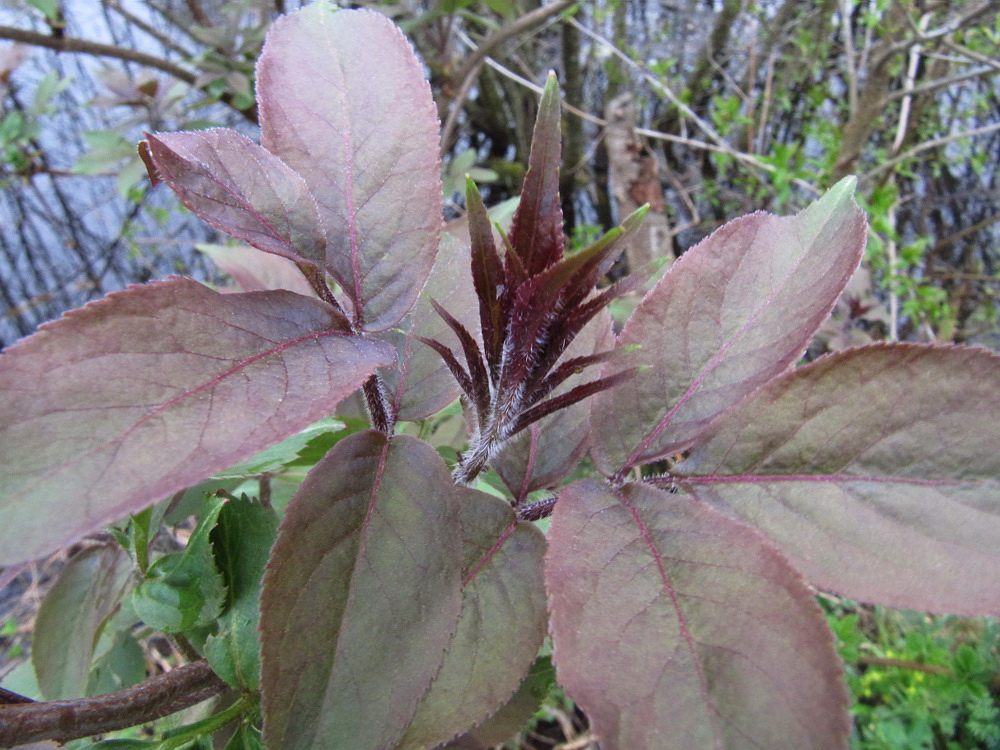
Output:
x=184 y=589
x=875 y=470
x=242 y=542
x=364 y=137
x=274 y=459
x=72 y=616
x=732 y=313
x=361 y=596
x=676 y=627
x=500 y=629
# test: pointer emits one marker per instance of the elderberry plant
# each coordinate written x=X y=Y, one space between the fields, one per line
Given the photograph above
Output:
x=394 y=603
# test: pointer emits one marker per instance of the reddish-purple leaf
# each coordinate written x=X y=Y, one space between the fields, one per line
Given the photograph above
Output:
x=420 y=385
x=733 y=312
x=501 y=627
x=536 y=232
x=344 y=102
x=875 y=470
x=675 y=627
x=477 y=368
x=141 y=394
x=361 y=596
x=487 y=276
x=238 y=187
x=465 y=382
x=541 y=455
x=256 y=271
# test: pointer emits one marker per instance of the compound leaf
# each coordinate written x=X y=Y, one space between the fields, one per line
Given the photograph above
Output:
x=675 y=627
x=362 y=131
x=361 y=596
x=875 y=470
x=150 y=390
x=729 y=315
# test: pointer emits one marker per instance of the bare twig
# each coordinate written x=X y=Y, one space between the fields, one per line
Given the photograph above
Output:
x=849 y=56
x=979 y=72
x=98 y=49
x=71 y=719
x=925 y=146
x=466 y=75
x=908 y=87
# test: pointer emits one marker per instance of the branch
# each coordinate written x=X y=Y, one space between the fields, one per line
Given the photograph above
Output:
x=467 y=73
x=886 y=165
x=66 y=720
x=87 y=47
x=924 y=88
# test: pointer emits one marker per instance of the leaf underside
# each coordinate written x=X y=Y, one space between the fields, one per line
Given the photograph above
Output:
x=675 y=627
x=733 y=312
x=875 y=470
x=150 y=390
x=361 y=596
x=362 y=131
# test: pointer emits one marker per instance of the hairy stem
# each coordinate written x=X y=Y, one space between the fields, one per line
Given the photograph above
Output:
x=376 y=405
x=66 y=720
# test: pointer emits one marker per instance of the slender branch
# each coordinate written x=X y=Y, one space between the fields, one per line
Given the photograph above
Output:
x=87 y=47
x=909 y=154
x=849 y=56
x=940 y=83
x=470 y=68
x=501 y=35
x=66 y=720
x=134 y=20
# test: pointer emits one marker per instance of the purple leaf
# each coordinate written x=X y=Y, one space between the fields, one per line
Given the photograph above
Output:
x=675 y=627
x=141 y=394
x=875 y=470
x=541 y=455
x=477 y=368
x=256 y=271
x=361 y=596
x=536 y=232
x=344 y=102
x=421 y=385
x=487 y=276
x=732 y=312
x=238 y=187
x=501 y=627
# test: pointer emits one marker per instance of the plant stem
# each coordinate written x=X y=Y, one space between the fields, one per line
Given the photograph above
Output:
x=375 y=402
x=67 y=720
